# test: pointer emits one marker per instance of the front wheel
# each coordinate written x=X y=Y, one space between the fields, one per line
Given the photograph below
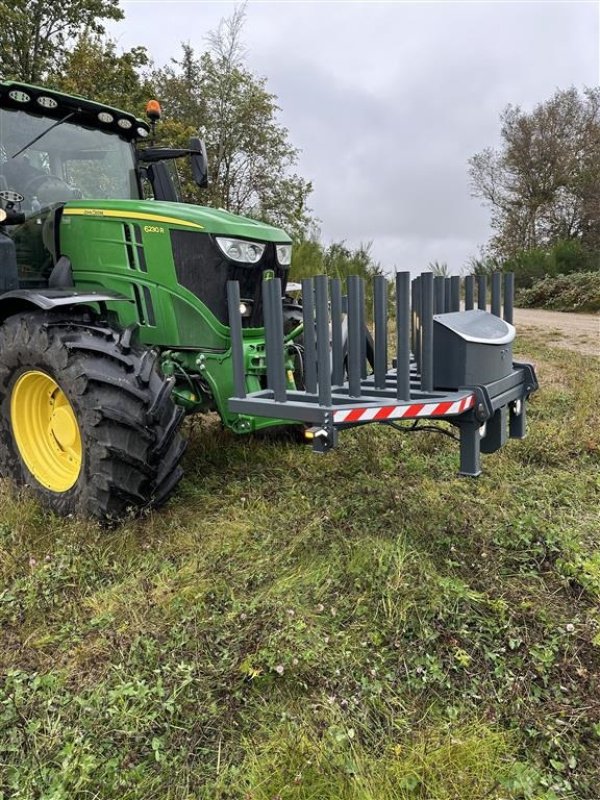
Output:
x=87 y=420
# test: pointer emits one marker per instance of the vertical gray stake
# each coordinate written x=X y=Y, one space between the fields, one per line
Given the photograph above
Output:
x=237 y=347
x=310 y=350
x=403 y=335
x=380 y=288
x=355 y=334
x=447 y=295
x=469 y=292
x=496 y=294
x=455 y=293
x=417 y=311
x=268 y=317
x=427 y=333
x=481 y=292
x=278 y=340
x=323 y=349
x=337 y=346
x=363 y=327
x=439 y=292
x=509 y=296
x=274 y=338
x=413 y=316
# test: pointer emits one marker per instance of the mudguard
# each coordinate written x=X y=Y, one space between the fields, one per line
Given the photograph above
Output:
x=19 y=300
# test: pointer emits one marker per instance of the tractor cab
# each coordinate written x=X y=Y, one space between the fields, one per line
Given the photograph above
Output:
x=54 y=149
x=57 y=148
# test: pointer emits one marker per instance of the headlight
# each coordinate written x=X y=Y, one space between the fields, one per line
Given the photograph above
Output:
x=284 y=254
x=239 y=250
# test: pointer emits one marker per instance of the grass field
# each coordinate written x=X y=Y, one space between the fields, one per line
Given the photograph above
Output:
x=359 y=626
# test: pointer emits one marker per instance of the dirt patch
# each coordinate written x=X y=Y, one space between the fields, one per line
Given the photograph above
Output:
x=579 y=332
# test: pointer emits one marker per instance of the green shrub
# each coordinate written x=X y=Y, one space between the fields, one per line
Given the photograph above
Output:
x=484 y=265
x=310 y=258
x=530 y=266
x=579 y=291
x=571 y=256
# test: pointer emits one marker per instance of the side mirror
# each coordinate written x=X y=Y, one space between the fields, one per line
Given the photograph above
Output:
x=199 y=162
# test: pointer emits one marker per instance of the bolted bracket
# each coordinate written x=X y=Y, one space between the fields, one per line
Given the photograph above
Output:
x=322 y=439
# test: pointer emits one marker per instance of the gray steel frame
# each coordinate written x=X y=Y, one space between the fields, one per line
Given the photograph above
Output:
x=336 y=377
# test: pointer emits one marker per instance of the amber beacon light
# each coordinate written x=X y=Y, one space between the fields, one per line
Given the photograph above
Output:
x=153 y=110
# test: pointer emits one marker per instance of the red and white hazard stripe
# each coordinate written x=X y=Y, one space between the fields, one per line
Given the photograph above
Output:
x=411 y=411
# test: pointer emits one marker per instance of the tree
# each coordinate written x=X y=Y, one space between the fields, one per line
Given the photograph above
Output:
x=93 y=69
x=34 y=34
x=439 y=268
x=543 y=184
x=251 y=160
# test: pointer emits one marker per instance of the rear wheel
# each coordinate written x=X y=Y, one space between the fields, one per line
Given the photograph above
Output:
x=87 y=419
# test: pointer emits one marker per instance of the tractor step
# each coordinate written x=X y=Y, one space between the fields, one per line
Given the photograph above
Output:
x=439 y=353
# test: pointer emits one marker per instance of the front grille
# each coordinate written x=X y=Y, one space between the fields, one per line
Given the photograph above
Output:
x=203 y=269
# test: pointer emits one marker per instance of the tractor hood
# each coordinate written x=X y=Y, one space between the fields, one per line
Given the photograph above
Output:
x=182 y=215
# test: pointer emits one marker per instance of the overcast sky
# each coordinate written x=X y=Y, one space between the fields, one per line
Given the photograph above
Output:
x=387 y=100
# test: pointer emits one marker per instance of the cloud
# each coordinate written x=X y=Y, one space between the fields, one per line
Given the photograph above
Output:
x=388 y=101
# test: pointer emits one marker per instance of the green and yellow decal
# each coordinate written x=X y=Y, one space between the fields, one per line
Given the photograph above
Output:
x=141 y=216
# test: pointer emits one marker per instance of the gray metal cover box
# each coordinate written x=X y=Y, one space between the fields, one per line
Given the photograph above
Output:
x=470 y=347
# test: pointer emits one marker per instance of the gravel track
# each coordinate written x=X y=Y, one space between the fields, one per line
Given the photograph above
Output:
x=579 y=332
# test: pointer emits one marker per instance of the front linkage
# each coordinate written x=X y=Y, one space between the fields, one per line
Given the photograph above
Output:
x=450 y=365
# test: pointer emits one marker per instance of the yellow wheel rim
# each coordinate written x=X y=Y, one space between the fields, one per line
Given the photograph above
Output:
x=45 y=430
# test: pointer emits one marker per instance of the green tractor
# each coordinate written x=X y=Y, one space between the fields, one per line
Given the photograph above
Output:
x=123 y=308
x=114 y=306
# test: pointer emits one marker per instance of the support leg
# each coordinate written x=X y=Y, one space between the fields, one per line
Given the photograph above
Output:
x=517 y=422
x=496 y=431
x=470 y=449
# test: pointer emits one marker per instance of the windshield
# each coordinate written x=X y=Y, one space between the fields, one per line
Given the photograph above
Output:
x=69 y=162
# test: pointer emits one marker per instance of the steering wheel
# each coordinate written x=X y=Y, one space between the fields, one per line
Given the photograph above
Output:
x=35 y=183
